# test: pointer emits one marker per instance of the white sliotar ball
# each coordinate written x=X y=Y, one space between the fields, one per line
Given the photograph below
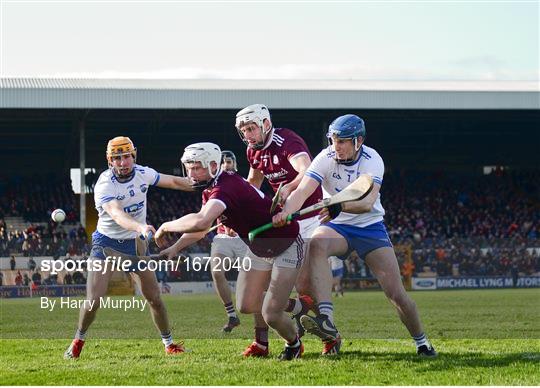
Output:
x=58 y=215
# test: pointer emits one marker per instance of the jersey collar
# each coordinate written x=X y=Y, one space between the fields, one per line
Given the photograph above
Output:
x=126 y=181
x=269 y=139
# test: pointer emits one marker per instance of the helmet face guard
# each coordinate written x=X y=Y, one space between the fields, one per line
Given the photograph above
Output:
x=197 y=185
x=347 y=127
x=256 y=114
x=205 y=153
x=118 y=147
x=357 y=144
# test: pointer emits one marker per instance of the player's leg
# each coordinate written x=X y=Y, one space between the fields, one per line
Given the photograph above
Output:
x=303 y=282
x=285 y=269
x=384 y=265
x=324 y=242
x=304 y=302
x=250 y=288
x=224 y=291
x=220 y=281
x=149 y=287
x=335 y=282
x=96 y=287
x=222 y=248
x=339 y=283
x=337 y=276
x=273 y=309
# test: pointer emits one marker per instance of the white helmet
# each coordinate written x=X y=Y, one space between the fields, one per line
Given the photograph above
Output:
x=255 y=113
x=206 y=153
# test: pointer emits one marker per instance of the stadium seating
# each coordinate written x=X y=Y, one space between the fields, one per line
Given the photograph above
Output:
x=456 y=224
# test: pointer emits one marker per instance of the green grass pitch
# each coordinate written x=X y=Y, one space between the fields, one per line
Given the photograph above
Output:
x=484 y=337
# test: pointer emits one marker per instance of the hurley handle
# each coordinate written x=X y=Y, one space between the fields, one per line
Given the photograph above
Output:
x=148 y=236
x=262 y=228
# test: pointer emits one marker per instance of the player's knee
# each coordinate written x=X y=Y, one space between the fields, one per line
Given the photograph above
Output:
x=318 y=247
x=407 y=303
x=245 y=308
x=218 y=276
x=271 y=316
x=90 y=305
x=243 y=305
x=400 y=299
x=154 y=301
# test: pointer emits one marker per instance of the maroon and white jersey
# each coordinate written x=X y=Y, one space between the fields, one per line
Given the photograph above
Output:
x=274 y=161
x=246 y=209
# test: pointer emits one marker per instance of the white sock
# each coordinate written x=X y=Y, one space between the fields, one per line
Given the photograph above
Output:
x=294 y=344
x=297 y=307
x=229 y=308
x=166 y=338
x=80 y=335
x=421 y=340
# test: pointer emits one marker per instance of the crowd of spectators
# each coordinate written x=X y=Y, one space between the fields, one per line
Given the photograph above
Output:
x=455 y=224
x=39 y=240
x=34 y=198
x=463 y=225
x=438 y=206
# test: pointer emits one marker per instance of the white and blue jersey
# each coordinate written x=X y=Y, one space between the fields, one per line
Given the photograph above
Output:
x=334 y=177
x=364 y=232
x=131 y=195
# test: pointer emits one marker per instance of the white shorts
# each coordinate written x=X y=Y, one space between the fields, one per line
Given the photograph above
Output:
x=292 y=257
x=308 y=226
x=227 y=246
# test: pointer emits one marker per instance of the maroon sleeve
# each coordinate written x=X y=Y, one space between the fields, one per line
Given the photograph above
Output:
x=205 y=197
x=295 y=145
x=217 y=192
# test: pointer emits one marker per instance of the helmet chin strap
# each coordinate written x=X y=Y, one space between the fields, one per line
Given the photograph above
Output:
x=123 y=178
x=203 y=185
x=266 y=139
x=357 y=149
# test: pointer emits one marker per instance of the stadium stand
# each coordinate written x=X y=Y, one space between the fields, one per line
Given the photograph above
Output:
x=455 y=224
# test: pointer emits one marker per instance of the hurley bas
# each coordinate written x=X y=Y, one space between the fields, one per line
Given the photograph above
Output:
x=104 y=302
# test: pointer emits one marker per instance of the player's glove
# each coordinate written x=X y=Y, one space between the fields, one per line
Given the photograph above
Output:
x=334 y=210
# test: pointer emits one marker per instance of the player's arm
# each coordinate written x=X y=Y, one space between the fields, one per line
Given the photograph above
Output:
x=183 y=242
x=356 y=207
x=255 y=177
x=174 y=182
x=375 y=167
x=194 y=222
x=114 y=209
x=295 y=201
x=364 y=205
x=300 y=163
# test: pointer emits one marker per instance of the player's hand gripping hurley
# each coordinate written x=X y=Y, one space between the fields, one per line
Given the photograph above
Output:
x=356 y=191
x=277 y=198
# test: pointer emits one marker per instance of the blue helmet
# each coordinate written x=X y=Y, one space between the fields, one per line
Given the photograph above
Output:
x=347 y=127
